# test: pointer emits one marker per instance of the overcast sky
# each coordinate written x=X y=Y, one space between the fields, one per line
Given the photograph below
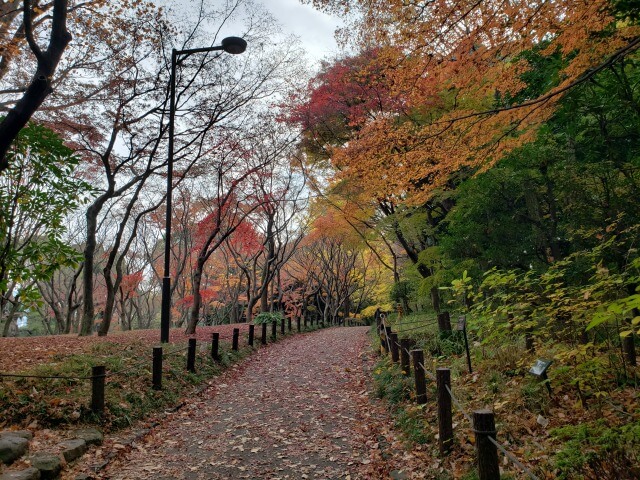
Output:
x=315 y=29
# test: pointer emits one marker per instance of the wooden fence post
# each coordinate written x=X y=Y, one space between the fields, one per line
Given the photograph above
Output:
x=274 y=329
x=215 y=345
x=234 y=339
x=156 y=376
x=445 y=422
x=282 y=326
x=252 y=331
x=444 y=322
x=263 y=339
x=395 y=353
x=305 y=321
x=298 y=324
x=289 y=324
x=191 y=356
x=484 y=427
x=405 y=345
x=419 y=376
x=98 y=374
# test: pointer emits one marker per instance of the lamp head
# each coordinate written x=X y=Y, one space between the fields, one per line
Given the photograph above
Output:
x=234 y=45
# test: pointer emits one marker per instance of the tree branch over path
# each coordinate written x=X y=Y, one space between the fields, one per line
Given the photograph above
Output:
x=40 y=85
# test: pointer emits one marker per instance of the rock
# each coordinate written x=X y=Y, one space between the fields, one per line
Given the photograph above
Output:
x=92 y=436
x=28 y=474
x=12 y=448
x=49 y=464
x=17 y=433
x=83 y=476
x=72 y=449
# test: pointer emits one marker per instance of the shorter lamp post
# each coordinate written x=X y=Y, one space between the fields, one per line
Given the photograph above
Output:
x=233 y=45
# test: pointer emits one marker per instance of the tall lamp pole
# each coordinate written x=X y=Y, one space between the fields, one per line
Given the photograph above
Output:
x=233 y=45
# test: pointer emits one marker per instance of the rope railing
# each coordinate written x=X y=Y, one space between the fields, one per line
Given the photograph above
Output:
x=459 y=406
x=428 y=373
x=511 y=457
x=56 y=377
x=488 y=435
x=131 y=368
x=175 y=352
x=386 y=337
x=413 y=329
x=416 y=322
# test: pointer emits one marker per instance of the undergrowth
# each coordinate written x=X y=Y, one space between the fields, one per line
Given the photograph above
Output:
x=596 y=450
x=586 y=428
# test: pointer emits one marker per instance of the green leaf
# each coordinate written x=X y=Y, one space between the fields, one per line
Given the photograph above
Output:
x=598 y=319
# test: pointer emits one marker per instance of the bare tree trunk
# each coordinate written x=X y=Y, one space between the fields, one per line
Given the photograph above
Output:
x=197 y=297
x=10 y=316
x=109 y=305
x=72 y=306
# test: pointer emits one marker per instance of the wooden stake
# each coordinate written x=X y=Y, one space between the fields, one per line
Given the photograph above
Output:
x=156 y=376
x=191 y=356
x=252 y=330
x=444 y=322
x=98 y=374
x=395 y=354
x=215 y=344
x=234 y=339
x=419 y=376
x=484 y=427
x=405 y=345
x=445 y=422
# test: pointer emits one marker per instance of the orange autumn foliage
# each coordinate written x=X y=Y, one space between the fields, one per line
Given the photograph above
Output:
x=453 y=72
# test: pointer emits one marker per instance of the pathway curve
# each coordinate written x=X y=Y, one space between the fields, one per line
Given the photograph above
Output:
x=292 y=411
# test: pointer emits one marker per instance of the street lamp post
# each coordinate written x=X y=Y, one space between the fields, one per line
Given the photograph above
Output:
x=233 y=45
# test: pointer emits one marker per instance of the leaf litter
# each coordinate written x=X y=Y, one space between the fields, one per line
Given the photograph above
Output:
x=301 y=408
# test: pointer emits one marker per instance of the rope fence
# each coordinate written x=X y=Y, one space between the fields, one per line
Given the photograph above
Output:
x=482 y=422
x=419 y=327
x=56 y=377
x=99 y=374
x=175 y=352
x=418 y=322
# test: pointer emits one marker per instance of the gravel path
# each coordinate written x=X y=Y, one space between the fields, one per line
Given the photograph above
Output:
x=292 y=411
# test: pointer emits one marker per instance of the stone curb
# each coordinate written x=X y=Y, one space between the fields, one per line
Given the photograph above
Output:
x=45 y=466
